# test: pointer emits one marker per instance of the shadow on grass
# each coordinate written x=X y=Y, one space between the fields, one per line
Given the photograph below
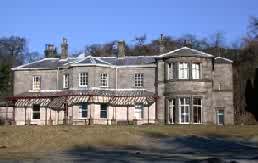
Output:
x=178 y=149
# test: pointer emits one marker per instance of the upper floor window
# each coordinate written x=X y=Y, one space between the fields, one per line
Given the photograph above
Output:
x=170 y=71
x=36 y=83
x=65 y=80
x=183 y=71
x=104 y=80
x=196 y=71
x=83 y=79
x=138 y=80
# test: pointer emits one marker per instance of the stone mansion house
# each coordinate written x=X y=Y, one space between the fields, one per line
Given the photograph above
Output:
x=184 y=86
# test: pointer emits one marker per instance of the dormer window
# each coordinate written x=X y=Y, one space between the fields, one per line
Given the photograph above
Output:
x=36 y=83
x=183 y=70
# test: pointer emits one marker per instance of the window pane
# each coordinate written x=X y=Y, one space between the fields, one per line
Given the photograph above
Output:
x=104 y=80
x=36 y=112
x=103 y=111
x=183 y=71
x=138 y=111
x=83 y=109
x=83 y=77
x=138 y=79
x=170 y=71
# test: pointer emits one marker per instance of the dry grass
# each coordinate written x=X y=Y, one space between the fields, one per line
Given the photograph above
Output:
x=60 y=138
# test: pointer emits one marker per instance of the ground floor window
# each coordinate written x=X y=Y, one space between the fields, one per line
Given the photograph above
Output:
x=103 y=111
x=171 y=110
x=83 y=110
x=184 y=110
x=220 y=116
x=36 y=111
x=197 y=110
x=138 y=111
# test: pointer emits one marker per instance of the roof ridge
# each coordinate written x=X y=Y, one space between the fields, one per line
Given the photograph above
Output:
x=229 y=60
x=176 y=50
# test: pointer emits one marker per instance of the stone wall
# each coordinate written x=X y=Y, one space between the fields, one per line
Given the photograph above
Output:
x=23 y=80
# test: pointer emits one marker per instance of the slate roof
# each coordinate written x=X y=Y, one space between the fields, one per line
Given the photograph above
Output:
x=90 y=92
x=221 y=60
x=54 y=63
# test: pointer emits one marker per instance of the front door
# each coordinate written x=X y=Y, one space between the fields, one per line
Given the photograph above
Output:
x=220 y=117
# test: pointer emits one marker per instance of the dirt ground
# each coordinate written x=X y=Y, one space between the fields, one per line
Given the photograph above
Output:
x=128 y=143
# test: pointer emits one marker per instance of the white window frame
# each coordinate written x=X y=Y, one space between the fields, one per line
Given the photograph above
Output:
x=35 y=112
x=196 y=106
x=183 y=70
x=139 y=109
x=171 y=110
x=104 y=80
x=185 y=107
x=196 y=70
x=36 y=82
x=81 y=110
x=84 y=75
x=66 y=81
x=170 y=70
x=138 y=80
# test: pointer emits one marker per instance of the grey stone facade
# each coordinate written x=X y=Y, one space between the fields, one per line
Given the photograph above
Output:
x=213 y=88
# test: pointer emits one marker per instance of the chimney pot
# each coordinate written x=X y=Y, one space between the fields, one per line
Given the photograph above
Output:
x=161 y=44
x=64 y=49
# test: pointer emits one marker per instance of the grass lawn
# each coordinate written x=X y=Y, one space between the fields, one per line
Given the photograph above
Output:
x=15 y=139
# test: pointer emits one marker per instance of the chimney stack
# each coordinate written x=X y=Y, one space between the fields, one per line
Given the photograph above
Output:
x=50 y=51
x=161 y=44
x=121 y=49
x=64 y=49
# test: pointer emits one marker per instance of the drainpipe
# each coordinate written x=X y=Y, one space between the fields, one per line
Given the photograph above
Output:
x=116 y=77
x=57 y=78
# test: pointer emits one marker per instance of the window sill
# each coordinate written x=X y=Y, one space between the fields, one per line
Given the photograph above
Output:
x=191 y=80
x=83 y=86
